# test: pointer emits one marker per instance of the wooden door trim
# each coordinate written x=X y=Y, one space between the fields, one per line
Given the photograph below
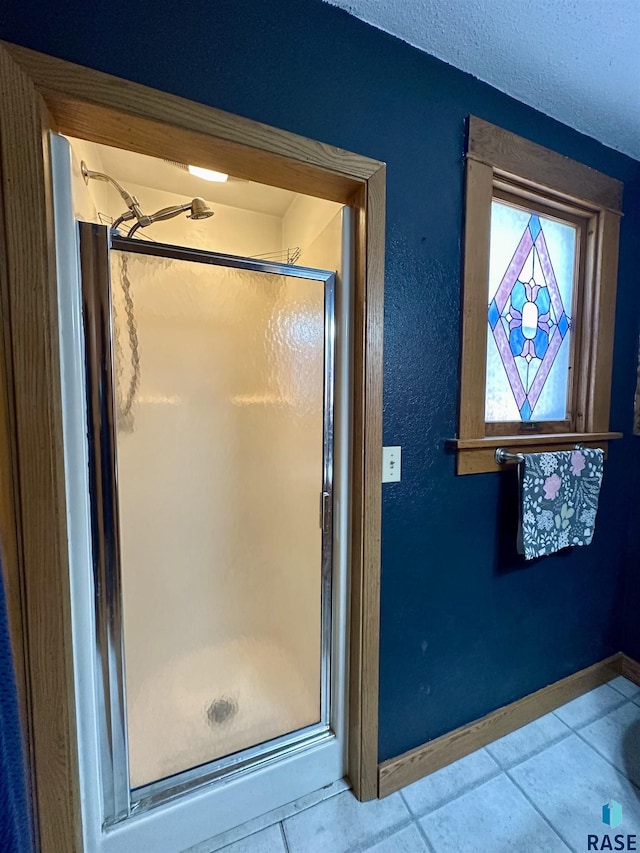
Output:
x=117 y=112
x=79 y=101
x=32 y=364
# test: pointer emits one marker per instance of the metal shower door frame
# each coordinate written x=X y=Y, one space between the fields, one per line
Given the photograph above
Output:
x=119 y=800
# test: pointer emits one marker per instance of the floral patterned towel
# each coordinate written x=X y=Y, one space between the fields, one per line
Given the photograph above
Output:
x=559 y=500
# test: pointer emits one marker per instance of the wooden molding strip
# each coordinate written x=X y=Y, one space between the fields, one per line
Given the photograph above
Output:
x=630 y=669
x=372 y=482
x=533 y=439
x=28 y=284
x=10 y=526
x=367 y=491
x=417 y=763
x=477 y=456
x=59 y=80
x=512 y=155
x=483 y=461
x=105 y=125
x=603 y=328
x=478 y=191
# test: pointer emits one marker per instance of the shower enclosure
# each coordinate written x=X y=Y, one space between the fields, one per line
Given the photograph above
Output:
x=210 y=385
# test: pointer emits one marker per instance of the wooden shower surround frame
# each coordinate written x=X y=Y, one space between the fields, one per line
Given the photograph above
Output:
x=40 y=93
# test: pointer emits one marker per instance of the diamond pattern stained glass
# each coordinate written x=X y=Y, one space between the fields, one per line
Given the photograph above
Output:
x=529 y=315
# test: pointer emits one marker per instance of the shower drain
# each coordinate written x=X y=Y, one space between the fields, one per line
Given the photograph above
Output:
x=221 y=711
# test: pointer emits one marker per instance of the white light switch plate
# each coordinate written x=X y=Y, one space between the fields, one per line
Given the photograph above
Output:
x=391 y=464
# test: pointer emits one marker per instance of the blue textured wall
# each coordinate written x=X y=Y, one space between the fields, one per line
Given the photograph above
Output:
x=631 y=638
x=466 y=625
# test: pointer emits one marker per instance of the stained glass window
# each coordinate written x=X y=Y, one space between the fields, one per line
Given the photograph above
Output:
x=534 y=304
x=531 y=274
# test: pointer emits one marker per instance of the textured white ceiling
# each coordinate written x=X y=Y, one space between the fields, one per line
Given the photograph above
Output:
x=575 y=60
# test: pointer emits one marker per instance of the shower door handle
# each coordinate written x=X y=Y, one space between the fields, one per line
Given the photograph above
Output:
x=325 y=498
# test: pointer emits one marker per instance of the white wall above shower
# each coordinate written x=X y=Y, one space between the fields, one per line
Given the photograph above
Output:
x=152 y=172
x=250 y=219
x=304 y=221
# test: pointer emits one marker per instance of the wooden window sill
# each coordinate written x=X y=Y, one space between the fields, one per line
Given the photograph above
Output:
x=477 y=455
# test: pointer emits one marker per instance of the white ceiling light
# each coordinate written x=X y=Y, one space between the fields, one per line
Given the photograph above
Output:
x=208 y=174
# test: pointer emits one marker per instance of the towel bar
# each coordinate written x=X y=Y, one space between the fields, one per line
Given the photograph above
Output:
x=502 y=455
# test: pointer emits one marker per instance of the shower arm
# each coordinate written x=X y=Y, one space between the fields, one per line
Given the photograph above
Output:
x=134 y=211
x=159 y=216
x=165 y=213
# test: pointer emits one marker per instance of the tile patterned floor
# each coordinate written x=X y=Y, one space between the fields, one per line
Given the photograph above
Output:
x=537 y=790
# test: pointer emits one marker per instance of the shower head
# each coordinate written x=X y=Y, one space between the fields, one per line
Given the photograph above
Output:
x=199 y=209
x=196 y=209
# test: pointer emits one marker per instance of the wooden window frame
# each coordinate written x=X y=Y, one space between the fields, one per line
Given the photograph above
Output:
x=500 y=164
x=40 y=93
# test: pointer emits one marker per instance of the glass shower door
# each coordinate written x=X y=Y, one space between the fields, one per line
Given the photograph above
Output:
x=210 y=394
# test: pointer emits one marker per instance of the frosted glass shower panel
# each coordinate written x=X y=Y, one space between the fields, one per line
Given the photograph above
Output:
x=219 y=409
